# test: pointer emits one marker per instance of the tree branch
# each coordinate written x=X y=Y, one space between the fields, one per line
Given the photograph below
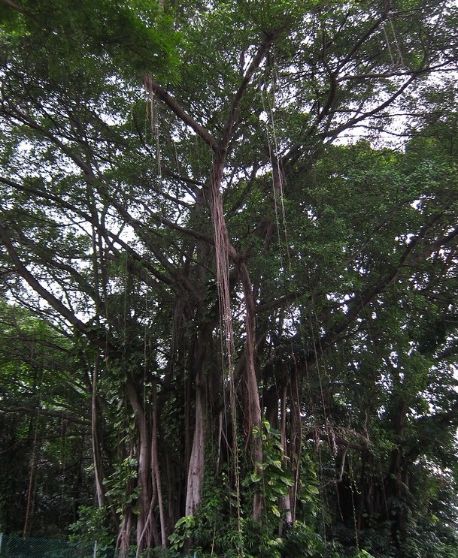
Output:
x=179 y=111
x=235 y=105
x=46 y=412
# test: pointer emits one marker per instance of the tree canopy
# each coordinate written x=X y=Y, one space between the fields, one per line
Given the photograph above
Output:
x=229 y=268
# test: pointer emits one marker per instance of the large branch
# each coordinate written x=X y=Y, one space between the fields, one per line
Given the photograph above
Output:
x=362 y=299
x=47 y=412
x=141 y=265
x=366 y=115
x=364 y=37
x=179 y=111
x=36 y=285
x=235 y=105
x=47 y=256
x=96 y=182
x=13 y=6
x=54 y=302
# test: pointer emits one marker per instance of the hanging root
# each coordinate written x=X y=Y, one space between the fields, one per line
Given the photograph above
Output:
x=152 y=114
x=394 y=47
x=222 y=250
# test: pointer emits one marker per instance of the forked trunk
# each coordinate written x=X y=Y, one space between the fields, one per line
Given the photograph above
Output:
x=144 y=518
x=123 y=540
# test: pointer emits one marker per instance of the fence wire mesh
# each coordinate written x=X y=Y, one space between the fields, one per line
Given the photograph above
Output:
x=15 y=546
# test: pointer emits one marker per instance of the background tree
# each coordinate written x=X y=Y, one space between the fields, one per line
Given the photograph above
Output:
x=45 y=427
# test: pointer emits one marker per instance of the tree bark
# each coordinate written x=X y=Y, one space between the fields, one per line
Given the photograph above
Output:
x=96 y=455
x=123 y=539
x=32 y=475
x=144 y=531
x=196 y=462
x=155 y=471
x=286 y=499
x=254 y=405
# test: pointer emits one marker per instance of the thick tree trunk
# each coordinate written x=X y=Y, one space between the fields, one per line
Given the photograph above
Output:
x=201 y=348
x=155 y=471
x=295 y=436
x=286 y=500
x=32 y=475
x=254 y=405
x=396 y=480
x=144 y=519
x=96 y=454
x=123 y=539
x=196 y=462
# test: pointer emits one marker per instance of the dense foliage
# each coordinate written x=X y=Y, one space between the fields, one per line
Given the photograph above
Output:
x=228 y=255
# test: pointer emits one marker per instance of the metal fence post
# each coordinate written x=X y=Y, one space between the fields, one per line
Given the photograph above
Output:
x=1 y=542
x=95 y=550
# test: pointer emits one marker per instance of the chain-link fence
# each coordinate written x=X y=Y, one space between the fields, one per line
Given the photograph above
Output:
x=14 y=546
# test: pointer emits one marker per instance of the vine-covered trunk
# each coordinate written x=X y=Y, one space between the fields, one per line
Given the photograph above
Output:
x=223 y=252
